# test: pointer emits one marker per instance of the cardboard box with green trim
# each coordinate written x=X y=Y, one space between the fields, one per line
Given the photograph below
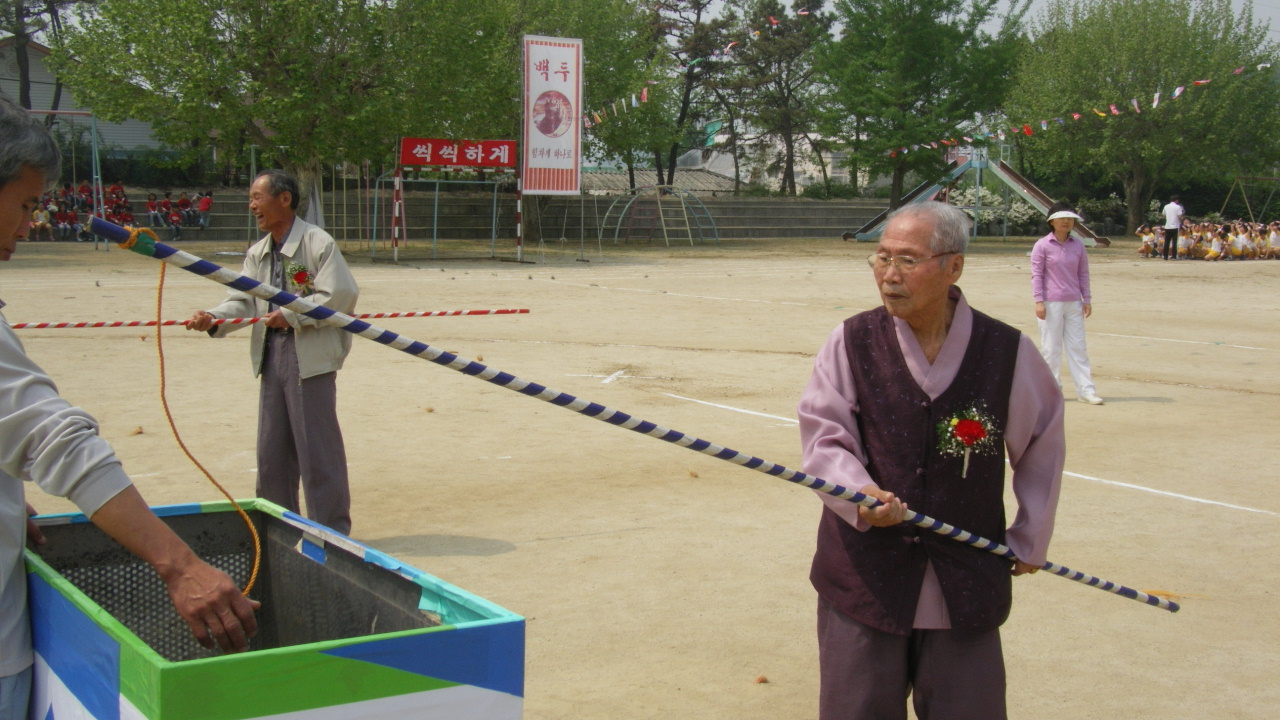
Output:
x=346 y=632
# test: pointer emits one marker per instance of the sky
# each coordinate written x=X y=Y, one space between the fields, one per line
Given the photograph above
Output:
x=1264 y=10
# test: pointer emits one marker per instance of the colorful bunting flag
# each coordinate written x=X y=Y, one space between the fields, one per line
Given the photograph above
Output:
x=1114 y=111
x=1135 y=105
x=1156 y=102
x=1098 y=112
x=1201 y=82
x=1044 y=124
x=644 y=94
x=1178 y=90
x=1026 y=129
x=1238 y=70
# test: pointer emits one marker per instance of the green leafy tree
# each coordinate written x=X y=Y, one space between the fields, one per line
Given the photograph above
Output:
x=695 y=37
x=26 y=21
x=306 y=81
x=914 y=71
x=774 y=67
x=1093 y=53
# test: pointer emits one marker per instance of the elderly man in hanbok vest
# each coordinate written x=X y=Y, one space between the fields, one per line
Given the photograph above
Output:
x=916 y=403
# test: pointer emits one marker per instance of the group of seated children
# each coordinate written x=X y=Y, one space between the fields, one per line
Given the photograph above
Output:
x=58 y=215
x=1239 y=240
x=180 y=213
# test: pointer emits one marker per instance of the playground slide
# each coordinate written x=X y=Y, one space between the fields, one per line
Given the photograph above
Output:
x=1022 y=186
x=924 y=191
x=1038 y=200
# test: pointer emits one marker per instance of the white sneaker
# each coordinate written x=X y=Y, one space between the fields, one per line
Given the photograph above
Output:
x=1090 y=399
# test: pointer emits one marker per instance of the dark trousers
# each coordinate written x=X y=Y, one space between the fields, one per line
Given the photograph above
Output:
x=1171 y=244
x=298 y=436
x=867 y=674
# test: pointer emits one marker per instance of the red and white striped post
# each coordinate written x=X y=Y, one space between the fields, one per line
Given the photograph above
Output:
x=519 y=214
x=397 y=214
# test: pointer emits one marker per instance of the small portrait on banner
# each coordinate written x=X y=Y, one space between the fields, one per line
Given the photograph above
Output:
x=552 y=114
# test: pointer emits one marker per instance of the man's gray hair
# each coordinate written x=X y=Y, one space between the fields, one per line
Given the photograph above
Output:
x=25 y=143
x=279 y=181
x=950 y=225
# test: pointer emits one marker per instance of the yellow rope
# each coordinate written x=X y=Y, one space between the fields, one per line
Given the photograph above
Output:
x=257 y=544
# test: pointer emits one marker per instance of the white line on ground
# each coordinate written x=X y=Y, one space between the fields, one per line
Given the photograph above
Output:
x=682 y=295
x=612 y=377
x=622 y=377
x=1172 y=340
x=792 y=421
x=1170 y=494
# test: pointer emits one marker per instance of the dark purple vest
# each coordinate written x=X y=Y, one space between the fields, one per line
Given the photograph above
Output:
x=875 y=576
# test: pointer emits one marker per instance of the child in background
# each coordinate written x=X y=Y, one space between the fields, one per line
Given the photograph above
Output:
x=154 y=219
x=1235 y=251
x=1148 y=239
x=175 y=224
x=40 y=221
x=204 y=208
x=184 y=207
x=1184 y=242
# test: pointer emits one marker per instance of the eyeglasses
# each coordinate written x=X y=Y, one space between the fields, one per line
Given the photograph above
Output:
x=904 y=263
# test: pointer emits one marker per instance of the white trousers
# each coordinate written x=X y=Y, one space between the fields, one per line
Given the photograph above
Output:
x=1063 y=327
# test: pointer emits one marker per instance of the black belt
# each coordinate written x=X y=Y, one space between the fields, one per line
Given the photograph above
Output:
x=279 y=331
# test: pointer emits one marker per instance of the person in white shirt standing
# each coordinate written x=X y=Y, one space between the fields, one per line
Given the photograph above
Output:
x=1173 y=214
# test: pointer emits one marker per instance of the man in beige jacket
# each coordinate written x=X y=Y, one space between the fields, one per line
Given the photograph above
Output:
x=297 y=357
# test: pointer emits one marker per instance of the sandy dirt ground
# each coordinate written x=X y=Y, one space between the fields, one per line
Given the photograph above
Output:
x=661 y=583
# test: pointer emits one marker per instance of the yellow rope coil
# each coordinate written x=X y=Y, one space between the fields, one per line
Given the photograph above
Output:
x=134 y=232
x=257 y=544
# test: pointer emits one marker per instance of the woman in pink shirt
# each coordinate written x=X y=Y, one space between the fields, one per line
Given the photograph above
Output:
x=1060 y=286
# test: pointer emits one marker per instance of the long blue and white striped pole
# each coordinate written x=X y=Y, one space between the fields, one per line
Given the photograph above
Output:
x=143 y=245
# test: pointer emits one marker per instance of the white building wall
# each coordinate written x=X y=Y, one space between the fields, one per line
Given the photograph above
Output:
x=128 y=135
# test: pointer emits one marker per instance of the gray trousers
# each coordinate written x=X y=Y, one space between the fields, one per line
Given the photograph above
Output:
x=867 y=674
x=15 y=694
x=298 y=436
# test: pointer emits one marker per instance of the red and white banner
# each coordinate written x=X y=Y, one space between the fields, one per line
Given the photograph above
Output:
x=552 y=115
x=457 y=153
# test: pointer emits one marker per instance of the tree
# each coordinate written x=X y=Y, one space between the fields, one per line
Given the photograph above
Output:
x=27 y=20
x=775 y=68
x=914 y=71
x=695 y=38
x=1229 y=125
x=306 y=81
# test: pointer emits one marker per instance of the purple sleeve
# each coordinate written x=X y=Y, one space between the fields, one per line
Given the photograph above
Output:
x=829 y=436
x=1036 y=442
x=1037 y=271
x=1083 y=276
